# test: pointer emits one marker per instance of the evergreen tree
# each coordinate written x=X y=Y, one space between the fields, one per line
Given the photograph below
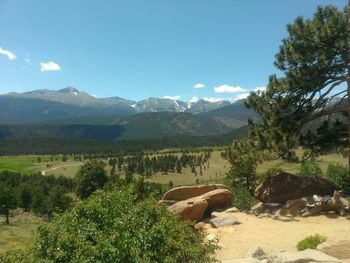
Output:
x=57 y=200
x=178 y=167
x=24 y=198
x=7 y=201
x=314 y=88
x=91 y=176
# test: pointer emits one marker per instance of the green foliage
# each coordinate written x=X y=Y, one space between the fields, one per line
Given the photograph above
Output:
x=311 y=242
x=113 y=227
x=295 y=108
x=59 y=145
x=310 y=168
x=243 y=159
x=143 y=190
x=18 y=256
x=57 y=201
x=91 y=176
x=242 y=198
x=339 y=175
x=7 y=201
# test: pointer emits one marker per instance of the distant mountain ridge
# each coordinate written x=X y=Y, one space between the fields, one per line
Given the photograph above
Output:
x=74 y=97
x=70 y=113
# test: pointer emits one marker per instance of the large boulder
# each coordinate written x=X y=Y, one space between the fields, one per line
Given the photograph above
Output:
x=192 y=210
x=186 y=192
x=216 y=199
x=286 y=186
x=220 y=198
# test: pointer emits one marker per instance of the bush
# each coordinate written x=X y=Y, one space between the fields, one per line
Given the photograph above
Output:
x=311 y=242
x=242 y=198
x=339 y=175
x=113 y=227
x=310 y=168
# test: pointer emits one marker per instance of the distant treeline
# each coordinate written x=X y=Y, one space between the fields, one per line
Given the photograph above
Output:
x=166 y=163
x=36 y=193
x=56 y=145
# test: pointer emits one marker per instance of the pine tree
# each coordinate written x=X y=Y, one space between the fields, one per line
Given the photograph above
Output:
x=314 y=88
x=7 y=202
x=91 y=176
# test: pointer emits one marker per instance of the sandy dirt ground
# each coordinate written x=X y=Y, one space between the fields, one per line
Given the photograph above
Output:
x=278 y=234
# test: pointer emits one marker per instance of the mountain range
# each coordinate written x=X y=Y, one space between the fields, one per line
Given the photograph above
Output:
x=69 y=112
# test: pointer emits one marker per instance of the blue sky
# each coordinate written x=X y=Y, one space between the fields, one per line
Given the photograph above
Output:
x=139 y=49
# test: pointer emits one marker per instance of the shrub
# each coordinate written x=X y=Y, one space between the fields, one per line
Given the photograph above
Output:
x=242 y=198
x=311 y=242
x=113 y=227
x=310 y=168
x=339 y=175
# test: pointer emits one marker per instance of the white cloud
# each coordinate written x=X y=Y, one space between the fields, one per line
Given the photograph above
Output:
x=199 y=86
x=194 y=99
x=177 y=97
x=228 y=89
x=49 y=66
x=241 y=96
x=260 y=89
x=8 y=54
x=212 y=99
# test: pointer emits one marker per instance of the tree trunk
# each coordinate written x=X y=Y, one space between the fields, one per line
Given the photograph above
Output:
x=348 y=88
x=348 y=91
x=7 y=215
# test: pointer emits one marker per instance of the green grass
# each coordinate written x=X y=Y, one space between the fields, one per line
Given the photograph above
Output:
x=19 y=233
x=29 y=164
x=18 y=163
x=311 y=242
x=218 y=167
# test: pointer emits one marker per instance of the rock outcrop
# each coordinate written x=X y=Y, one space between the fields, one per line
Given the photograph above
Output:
x=186 y=192
x=189 y=210
x=285 y=186
x=196 y=207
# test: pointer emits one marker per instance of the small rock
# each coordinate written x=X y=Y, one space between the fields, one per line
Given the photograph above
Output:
x=226 y=220
x=199 y=226
x=232 y=210
x=225 y=212
x=257 y=253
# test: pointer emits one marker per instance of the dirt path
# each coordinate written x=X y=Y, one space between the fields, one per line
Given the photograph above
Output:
x=43 y=172
x=277 y=234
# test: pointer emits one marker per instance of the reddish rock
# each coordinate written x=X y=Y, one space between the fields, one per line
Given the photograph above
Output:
x=186 y=192
x=192 y=210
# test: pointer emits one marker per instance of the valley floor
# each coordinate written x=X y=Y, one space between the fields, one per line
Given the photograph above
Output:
x=281 y=234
